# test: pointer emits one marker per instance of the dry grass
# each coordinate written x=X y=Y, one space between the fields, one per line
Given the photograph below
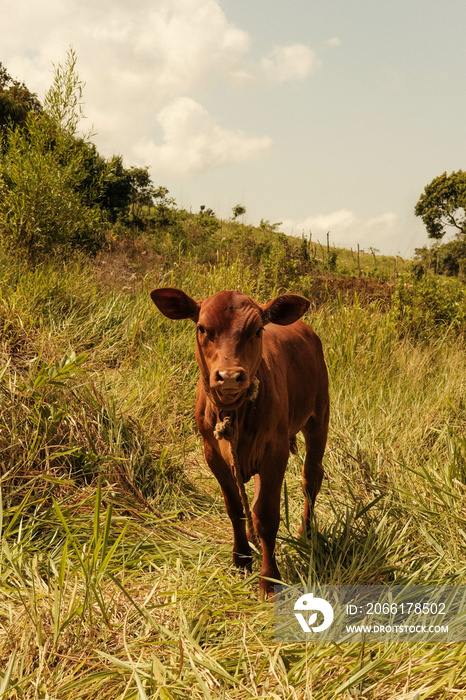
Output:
x=100 y=596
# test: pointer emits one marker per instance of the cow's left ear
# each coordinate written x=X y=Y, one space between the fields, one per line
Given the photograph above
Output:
x=285 y=309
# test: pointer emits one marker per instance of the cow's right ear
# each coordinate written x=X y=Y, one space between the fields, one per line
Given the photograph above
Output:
x=174 y=303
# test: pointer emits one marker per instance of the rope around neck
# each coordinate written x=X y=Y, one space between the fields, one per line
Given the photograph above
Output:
x=226 y=430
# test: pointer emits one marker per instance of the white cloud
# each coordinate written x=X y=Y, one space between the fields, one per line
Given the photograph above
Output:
x=347 y=230
x=294 y=62
x=186 y=43
x=193 y=143
x=139 y=62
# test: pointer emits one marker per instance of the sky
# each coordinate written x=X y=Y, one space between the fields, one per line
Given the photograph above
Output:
x=323 y=116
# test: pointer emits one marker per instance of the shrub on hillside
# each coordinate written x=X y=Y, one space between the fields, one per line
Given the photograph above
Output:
x=41 y=207
x=446 y=258
x=428 y=306
x=48 y=196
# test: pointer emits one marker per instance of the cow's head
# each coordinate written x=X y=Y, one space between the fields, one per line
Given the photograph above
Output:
x=229 y=335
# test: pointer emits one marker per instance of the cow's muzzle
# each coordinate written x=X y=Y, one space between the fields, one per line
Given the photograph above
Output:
x=229 y=383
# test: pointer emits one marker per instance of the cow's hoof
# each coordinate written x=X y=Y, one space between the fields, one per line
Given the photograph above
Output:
x=266 y=588
x=266 y=591
x=243 y=561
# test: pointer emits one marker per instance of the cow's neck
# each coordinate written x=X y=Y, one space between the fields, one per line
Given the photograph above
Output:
x=219 y=406
x=226 y=427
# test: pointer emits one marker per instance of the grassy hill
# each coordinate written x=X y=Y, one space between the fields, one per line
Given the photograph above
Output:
x=115 y=576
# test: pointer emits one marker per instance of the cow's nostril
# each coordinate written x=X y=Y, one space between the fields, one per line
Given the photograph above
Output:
x=230 y=378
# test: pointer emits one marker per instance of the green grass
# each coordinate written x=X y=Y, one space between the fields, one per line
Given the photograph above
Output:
x=115 y=576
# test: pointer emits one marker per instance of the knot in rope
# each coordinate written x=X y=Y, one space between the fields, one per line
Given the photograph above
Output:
x=225 y=428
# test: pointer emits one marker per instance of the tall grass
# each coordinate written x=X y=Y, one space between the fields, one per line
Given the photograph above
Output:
x=115 y=553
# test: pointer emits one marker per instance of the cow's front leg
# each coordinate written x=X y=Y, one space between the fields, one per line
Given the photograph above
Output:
x=241 y=550
x=266 y=518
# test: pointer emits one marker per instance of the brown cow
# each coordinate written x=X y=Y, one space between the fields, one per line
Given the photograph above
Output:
x=263 y=379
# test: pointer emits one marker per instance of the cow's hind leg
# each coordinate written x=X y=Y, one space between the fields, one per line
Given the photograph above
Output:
x=242 y=557
x=315 y=435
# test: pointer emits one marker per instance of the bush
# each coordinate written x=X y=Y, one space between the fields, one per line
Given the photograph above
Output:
x=446 y=258
x=48 y=197
x=429 y=306
x=41 y=208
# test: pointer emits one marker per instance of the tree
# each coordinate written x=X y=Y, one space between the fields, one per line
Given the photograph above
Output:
x=142 y=189
x=265 y=225
x=204 y=211
x=16 y=101
x=446 y=258
x=63 y=101
x=443 y=205
x=238 y=210
x=165 y=208
x=207 y=220
x=48 y=198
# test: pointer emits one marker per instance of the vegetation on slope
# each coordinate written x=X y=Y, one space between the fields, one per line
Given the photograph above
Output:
x=115 y=576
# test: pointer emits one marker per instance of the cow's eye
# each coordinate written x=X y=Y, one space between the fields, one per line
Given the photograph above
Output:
x=201 y=329
x=259 y=332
